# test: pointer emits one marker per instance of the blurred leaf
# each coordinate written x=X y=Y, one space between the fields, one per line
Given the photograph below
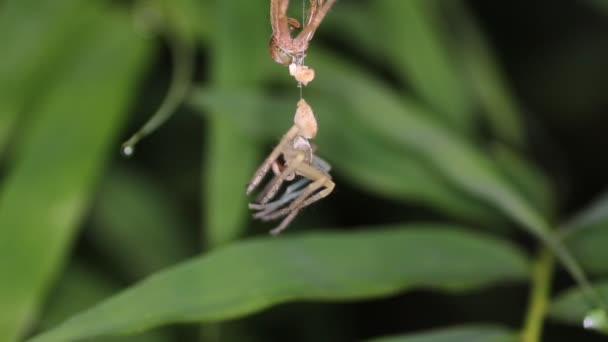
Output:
x=599 y=4
x=192 y=17
x=587 y=236
x=572 y=306
x=463 y=164
x=80 y=287
x=484 y=75
x=482 y=333
x=418 y=51
x=246 y=277
x=526 y=178
x=377 y=166
x=232 y=157
x=137 y=225
x=48 y=187
x=28 y=60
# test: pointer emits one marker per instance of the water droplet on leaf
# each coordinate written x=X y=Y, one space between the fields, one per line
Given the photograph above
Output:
x=596 y=320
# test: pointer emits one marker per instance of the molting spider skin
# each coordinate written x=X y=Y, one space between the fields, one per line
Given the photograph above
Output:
x=287 y=50
x=305 y=120
x=299 y=160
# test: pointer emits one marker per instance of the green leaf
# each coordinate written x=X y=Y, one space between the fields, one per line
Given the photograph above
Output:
x=484 y=75
x=465 y=165
x=587 y=236
x=249 y=276
x=231 y=156
x=378 y=166
x=527 y=179
x=137 y=225
x=27 y=61
x=418 y=51
x=80 y=287
x=481 y=333
x=47 y=188
x=572 y=306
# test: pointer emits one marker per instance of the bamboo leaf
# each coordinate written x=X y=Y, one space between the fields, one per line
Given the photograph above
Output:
x=587 y=236
x=232 y=157
x=572 y=307
x=28 y=60
x=130 y=199
x=413 y=25
x=484 y=75
x=80 y=287
x=47 y=189
x=249 y=276
x=482 y=333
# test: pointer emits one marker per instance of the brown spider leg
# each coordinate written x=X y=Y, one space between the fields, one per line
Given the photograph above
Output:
x=276 y=170
x=312 y=12
x=292 y=192
x=277 y=181
x=314 y=21
x=278 y=16
x=329 y=187
x=293 y=23
x=263 y=169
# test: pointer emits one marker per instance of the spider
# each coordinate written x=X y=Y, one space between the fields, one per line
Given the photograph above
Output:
x=299 y=160
x=289 y=51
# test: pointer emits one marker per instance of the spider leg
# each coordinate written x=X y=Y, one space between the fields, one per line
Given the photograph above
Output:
x=313 y=22
x=277 y=181
x=298 y=203
x=286 y=221
x=263 y=169
x=292 y=191
x=312 y=12
x=278 y=16
x=294 y=208
x=293 y=23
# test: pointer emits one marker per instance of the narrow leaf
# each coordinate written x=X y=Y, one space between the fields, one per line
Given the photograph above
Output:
x=28 y=61
x=525 y=177
x=482 y=333
x=246 y=277
x=421 y=55
x=137 y=225
x=231 y=156
x=465 y=165
x=484 y=75
x=80 y=287
x=47 y=189
x=572 y=306
x=587 y=236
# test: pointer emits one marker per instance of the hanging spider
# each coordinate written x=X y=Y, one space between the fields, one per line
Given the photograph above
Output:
x=287 y=50
x=299 y=160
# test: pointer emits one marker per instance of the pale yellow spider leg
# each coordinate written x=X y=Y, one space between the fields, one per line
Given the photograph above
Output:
x=303 y=200
x=277 y=172
x=286 y=221
x=277 y=181
x=263 y=169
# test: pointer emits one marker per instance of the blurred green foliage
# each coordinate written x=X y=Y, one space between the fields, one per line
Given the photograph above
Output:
x=417 y=115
